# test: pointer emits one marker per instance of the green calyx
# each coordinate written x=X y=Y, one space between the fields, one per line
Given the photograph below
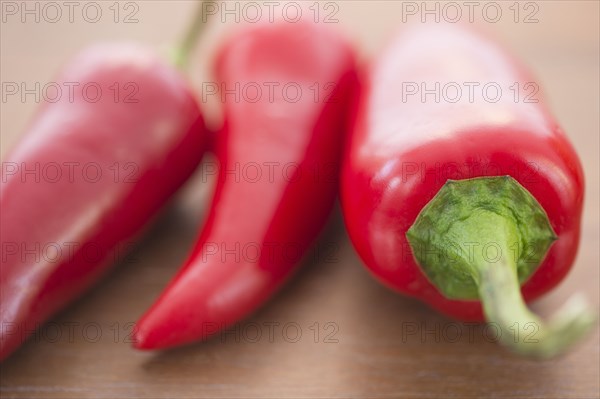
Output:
x=478 y=220
x=482 y=239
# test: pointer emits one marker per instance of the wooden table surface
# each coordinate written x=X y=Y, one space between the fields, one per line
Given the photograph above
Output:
x=371 y=342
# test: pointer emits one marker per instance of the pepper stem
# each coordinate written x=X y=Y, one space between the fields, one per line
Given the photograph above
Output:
x=181 y=54
x=499 y=291
x=481 y=239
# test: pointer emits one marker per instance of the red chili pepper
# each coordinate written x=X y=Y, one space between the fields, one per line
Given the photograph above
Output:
x=458 y=196
x=285 y=89
x=93 y=167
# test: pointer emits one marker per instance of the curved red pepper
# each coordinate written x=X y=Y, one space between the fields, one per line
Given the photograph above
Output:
x=112 y=155
x=405 y=147
x=259 y=227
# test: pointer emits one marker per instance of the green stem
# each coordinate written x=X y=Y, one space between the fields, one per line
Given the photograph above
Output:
x=500 y=293
x=481 y=239
x=181 y=54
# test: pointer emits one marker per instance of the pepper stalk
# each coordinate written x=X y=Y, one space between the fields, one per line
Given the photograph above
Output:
x=481 y=239
x=181 y=54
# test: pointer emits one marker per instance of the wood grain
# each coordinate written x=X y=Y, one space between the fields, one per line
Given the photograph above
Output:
x=371 y=342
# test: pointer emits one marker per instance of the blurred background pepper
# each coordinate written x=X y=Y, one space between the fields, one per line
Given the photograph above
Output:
x=111 y=152
x=302 y=80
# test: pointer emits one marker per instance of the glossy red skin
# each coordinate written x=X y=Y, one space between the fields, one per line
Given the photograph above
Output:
x=381 y=202
x=163 y=134
x=280 y=216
